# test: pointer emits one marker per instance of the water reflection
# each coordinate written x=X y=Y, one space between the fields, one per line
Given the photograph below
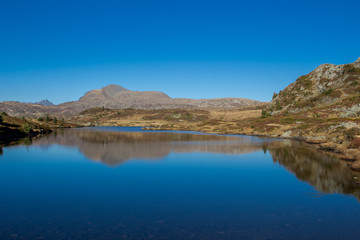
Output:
x=114 y=148
x=242 y=188
x=325 y=172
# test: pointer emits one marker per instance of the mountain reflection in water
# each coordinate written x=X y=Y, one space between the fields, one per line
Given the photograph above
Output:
x=323 y=171
x=114 y=148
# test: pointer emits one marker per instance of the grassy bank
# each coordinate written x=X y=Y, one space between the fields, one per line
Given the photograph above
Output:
x=338 y=135
x=13 y=129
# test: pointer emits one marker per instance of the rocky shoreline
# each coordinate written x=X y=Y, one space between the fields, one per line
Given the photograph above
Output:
x=332 y=134
x=13 y=130
x=9 y=136
x=350 y=155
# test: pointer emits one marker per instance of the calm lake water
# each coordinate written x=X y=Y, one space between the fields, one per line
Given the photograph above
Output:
x=124 y=183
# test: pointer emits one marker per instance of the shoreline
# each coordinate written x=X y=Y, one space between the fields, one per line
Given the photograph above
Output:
x=15 y=136
x=349 y=156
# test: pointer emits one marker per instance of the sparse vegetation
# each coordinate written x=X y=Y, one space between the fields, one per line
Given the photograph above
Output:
x=288 y=120
x=27 y=128
x=274 y=95
x=265 y=114
x=354 y=83
x=351 y=133
x=350 y=68
x=278 y=106
x=328 y=92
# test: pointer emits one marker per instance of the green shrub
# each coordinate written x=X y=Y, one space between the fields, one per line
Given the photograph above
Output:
x=353 y=70
x=354 y=83
x=27 y=128
x=327 y=92
x=40 y=119
x=1 y=119
x=4 y=114
x=288 y=120
x=265 y=114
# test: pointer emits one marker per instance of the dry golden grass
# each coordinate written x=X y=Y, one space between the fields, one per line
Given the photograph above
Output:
x=234 y=115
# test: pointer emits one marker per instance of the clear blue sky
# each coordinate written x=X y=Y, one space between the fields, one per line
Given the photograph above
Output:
x=197 y=49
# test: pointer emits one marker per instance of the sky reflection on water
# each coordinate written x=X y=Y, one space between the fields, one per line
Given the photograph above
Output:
x=86 y=184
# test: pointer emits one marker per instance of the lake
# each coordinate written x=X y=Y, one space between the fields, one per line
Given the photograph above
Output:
x=125 y=183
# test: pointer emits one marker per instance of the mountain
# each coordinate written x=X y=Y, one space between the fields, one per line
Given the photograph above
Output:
x=330 y=90
x=117 y=97
x=114 y=96
x=44 y=103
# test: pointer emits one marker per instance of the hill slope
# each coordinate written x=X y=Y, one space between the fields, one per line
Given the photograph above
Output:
x=330 y=90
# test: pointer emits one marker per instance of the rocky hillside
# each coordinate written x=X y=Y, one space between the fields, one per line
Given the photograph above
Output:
x=328 y=91
x=117 y=97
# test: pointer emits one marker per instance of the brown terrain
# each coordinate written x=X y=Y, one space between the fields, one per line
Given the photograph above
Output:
x=321 y=108
x=13 y=130
x=117 y=97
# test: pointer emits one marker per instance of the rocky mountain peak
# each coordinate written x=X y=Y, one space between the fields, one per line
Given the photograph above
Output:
x=44 y=103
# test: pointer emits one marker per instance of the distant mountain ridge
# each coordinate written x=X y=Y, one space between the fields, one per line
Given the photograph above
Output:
x=44 y=103
x=116 y=97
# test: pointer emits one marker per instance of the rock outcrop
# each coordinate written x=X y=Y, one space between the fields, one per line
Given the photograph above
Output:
x=330 y=89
